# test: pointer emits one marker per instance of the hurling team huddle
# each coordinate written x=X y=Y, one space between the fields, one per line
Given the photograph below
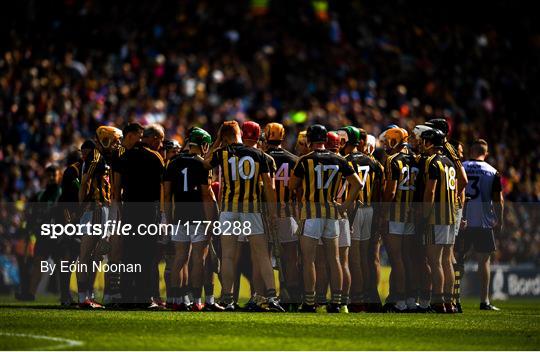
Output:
x=304 y=227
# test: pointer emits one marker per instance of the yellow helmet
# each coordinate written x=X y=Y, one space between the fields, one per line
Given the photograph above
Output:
x=108 y=136
x=394 y=136
x=274 y=131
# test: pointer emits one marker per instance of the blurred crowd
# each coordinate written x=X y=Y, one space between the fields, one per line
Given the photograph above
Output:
x=67 y=67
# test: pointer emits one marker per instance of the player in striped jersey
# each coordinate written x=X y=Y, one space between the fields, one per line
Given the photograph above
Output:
x=286 y=226
x=419 y=282
x=252 y=137
x=242 y=168
x=398 y=193
x=301 y=146
x=317 y=175
x=374 y=261
x=95 y=194
x=439 y=214
x=334 y=144
x=370 y=176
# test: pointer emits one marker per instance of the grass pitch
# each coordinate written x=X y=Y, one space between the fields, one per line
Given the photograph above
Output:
x=34 y=326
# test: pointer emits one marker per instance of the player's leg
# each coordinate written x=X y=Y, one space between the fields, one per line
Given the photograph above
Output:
x=308 y=246
x=178 y=284
x=199 y=251
x=111 y=292
x=88 y=243
x=311 y=234
x=484 y=275
x=449 y=276
x=357 y=277
x=346 y=284
x=374 y=277
x=261 y=259
x=344 y=244
x=323 y=277
x=484 y=246
x=394 y=246
x=289 y=259
x=286 y=230
x=229 y=245
x=330 y=238
x=411 y=259
x=434 y=255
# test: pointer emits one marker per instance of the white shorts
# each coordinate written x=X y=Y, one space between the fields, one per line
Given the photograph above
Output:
x=362 y=224
x=321 y=228
x=88 y=217
x=254 y=220
x=459 y=216
x=400 y=228
x=192 y=234
x=344 y=233
x=286 y=229
x=441 y=234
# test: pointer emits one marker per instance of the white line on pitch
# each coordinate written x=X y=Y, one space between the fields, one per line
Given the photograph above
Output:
x=64 y=342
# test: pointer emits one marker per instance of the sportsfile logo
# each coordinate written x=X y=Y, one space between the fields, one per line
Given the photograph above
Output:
x=119 y=228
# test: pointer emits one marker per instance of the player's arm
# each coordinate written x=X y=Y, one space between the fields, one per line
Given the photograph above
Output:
x=355 y=185
x=429 y=197
x=269 y=193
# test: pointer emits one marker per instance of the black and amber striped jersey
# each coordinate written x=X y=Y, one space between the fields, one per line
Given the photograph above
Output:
x=321 y=172
x=440 y=168
x=420 y=181
x=400 y=167
x=116 y=158
x=284 y=163
x=241 y=170
x=98 y=173
x=368 y=171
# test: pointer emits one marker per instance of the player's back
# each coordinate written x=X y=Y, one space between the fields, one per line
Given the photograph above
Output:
x=442 y=169
x=285 y=162
x=241 y=169
x=401 y=168
x=484 y=180
x=368 y=172
x=321 y=172
x=187 y=175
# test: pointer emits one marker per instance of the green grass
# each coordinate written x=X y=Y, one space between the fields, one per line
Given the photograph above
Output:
x=516 y=327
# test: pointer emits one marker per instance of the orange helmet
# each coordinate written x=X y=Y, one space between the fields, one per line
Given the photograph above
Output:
x=406 y=134
x=394 y=136
x=108 y=136
x=274 y=132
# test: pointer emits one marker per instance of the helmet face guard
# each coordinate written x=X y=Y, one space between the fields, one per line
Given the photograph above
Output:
x=109 y=137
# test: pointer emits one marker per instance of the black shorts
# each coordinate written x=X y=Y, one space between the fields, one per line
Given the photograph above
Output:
x=478 y=238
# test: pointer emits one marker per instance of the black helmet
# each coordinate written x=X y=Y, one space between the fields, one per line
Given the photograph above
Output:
x=316 y=133
x=439 y=124
x=435 y=136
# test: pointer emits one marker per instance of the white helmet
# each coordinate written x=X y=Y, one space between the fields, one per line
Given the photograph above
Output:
x=419 y=129
x=371 y=143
